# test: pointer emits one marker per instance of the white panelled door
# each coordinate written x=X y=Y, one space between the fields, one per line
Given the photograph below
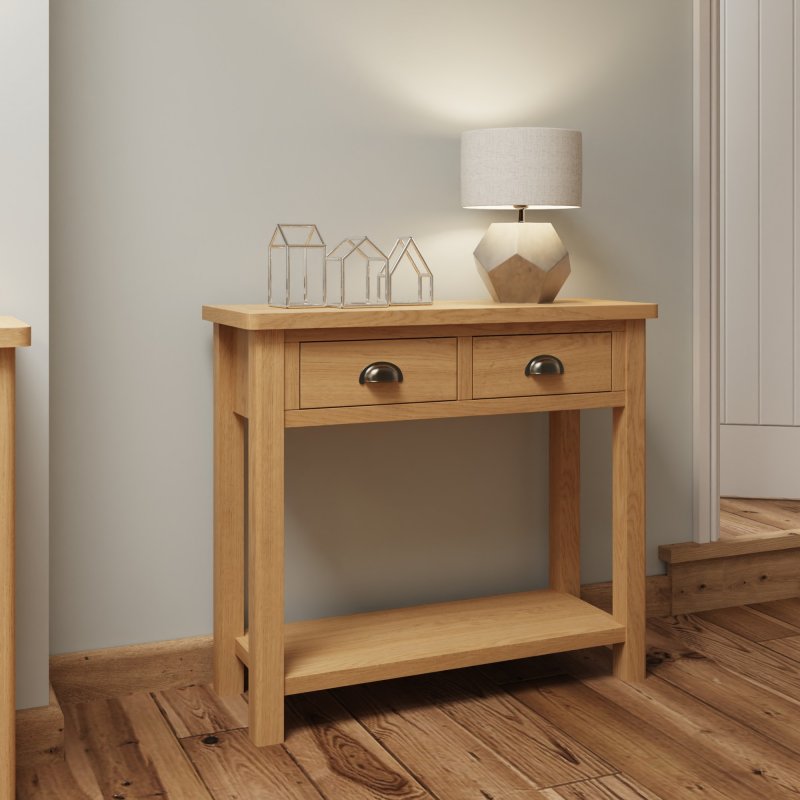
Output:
x=760 y=278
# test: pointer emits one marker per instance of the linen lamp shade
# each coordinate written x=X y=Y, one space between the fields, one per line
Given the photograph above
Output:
x=521 y=167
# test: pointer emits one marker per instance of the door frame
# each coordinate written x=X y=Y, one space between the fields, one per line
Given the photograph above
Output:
x=706 y=269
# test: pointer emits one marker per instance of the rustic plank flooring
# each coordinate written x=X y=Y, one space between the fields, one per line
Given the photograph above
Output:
x=718 y=717
x=748 y=518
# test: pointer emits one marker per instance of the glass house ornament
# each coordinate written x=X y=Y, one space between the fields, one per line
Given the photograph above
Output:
x=410 y=278
x=296 y=267
x=357 y=274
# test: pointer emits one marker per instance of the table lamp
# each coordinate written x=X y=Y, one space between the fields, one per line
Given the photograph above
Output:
x=519 y=168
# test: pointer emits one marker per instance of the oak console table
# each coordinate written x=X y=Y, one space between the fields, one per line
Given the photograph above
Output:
x=284 y=368
x=13 y=334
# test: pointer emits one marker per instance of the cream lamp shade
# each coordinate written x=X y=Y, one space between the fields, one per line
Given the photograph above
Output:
x=519 y=168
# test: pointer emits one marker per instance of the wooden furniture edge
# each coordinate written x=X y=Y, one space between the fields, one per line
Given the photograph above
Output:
x=14 y=333
x=40 y=734
x=450 y=409
x=628 y=512
x=339 y=651
x=657 y=589
x=264 y=317
x=684 y=552
x=445 y=330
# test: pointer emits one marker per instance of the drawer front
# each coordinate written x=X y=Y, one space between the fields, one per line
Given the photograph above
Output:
x=330 y=372
x=499 y=364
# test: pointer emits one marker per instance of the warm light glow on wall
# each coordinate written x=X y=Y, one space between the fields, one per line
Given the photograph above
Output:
x=470 y=100
x=450 y=68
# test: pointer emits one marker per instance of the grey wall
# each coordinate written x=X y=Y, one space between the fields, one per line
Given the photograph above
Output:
x=184 y=130
x=24 y=294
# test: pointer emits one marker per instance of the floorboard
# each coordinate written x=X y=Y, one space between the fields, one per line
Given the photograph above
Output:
x=340 y=756
x=49 y=781
x=233 y=769
x=717 y=718
x=639 y=748
x=448 y=759
x=501 y=722
x=736 y=526
x=756 y=663
x=759 y=763
x=610 y=787
x=772 y=715
x=788 y=647
x=196 y=710
x=754 y=625
x=784 y=610
x=782 y=514
x=132 y=751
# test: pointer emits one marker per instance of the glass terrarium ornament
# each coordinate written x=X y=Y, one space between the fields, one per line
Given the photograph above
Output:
x=357 y=274
x=410 y=278
x=296 y=267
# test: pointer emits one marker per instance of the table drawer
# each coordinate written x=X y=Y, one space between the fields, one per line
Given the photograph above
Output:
x=500 y=362
x=330 y=372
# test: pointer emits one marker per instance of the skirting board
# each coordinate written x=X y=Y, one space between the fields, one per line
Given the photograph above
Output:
x=153 y=667
x=116 y=671
x=40 y=734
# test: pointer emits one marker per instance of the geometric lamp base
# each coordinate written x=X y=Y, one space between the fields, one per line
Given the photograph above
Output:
x=522 y=262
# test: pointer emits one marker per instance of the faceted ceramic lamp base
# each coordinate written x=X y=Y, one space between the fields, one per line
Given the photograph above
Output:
x=522 y=262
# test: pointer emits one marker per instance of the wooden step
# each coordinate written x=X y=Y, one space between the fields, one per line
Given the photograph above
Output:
x=341 y=651
x=691 y=551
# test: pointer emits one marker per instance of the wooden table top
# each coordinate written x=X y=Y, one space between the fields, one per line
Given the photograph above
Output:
x=14 y=333
x=263 y=317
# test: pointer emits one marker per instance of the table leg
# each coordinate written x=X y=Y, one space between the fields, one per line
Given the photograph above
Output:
x=7 y=506
x=628 y=456
x=265 y=535
x=228 y=518
x=565 y=501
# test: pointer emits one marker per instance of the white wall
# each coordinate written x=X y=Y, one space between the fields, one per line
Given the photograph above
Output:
x=24 y=294
x=183 y=131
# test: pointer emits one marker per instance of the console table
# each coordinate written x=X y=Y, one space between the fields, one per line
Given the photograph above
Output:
x=282 y=368
x=13 y=334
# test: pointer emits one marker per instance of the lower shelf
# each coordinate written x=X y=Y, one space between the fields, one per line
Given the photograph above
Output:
x=340 y=651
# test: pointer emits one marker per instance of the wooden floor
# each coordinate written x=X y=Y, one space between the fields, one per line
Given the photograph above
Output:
x=718 y=718
x=743 y=518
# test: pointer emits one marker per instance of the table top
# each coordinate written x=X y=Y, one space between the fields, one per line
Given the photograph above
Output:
x=264 y=317
x=14 y=333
